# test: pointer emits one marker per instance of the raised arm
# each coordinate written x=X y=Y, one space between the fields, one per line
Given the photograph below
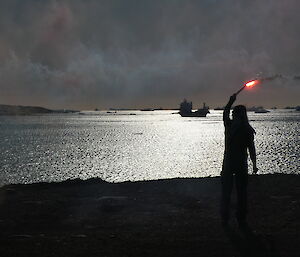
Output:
x=226 y=112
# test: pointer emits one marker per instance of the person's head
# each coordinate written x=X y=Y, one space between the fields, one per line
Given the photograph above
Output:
x=240 y=113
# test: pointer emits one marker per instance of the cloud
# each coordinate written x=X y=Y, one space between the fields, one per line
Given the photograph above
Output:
x=82 y=54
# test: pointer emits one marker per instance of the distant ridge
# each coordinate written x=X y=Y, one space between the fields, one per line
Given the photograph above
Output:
x=22 y=110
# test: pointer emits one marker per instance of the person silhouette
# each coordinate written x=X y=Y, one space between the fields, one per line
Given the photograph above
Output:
x=239 y=136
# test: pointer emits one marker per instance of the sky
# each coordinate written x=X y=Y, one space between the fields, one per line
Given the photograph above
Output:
x=86 y=54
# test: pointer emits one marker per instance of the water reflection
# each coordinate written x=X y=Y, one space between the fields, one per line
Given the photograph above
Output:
x=144 y=146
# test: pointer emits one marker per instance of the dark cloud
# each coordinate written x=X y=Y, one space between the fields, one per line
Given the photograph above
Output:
x=87 y=53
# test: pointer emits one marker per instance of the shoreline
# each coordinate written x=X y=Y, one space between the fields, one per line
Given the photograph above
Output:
x=170 y=217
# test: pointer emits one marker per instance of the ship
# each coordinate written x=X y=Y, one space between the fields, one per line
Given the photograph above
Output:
x=187 y=107
x=148 y=109
x=261 y=110
x=258 y=109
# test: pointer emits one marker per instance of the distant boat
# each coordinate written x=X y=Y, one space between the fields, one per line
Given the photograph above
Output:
x=253 y=109
x=151 y=109
x=261 y=110
x=147 y=110
x=186 y=110
x=258 y=109
x=219 y=108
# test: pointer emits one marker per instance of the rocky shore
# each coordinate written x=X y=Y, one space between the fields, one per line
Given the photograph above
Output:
x=176 y=217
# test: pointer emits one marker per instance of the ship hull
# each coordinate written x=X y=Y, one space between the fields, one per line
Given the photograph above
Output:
x=194 y=114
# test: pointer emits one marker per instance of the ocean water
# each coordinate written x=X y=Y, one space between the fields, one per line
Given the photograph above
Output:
x=136 y=145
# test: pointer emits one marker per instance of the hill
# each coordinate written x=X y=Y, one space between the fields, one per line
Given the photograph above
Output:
x=22 y=110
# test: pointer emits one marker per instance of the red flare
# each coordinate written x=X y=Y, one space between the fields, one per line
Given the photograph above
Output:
x=251 y=83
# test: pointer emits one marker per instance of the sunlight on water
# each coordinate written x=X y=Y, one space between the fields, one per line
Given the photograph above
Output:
x=148 y=145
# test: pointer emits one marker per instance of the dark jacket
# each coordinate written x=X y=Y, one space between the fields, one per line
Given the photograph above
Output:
x=238 y=138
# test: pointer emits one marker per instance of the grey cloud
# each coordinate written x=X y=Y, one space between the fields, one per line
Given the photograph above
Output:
x=81 y=54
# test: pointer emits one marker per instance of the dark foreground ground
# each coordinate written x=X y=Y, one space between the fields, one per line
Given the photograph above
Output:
x=177 y=217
